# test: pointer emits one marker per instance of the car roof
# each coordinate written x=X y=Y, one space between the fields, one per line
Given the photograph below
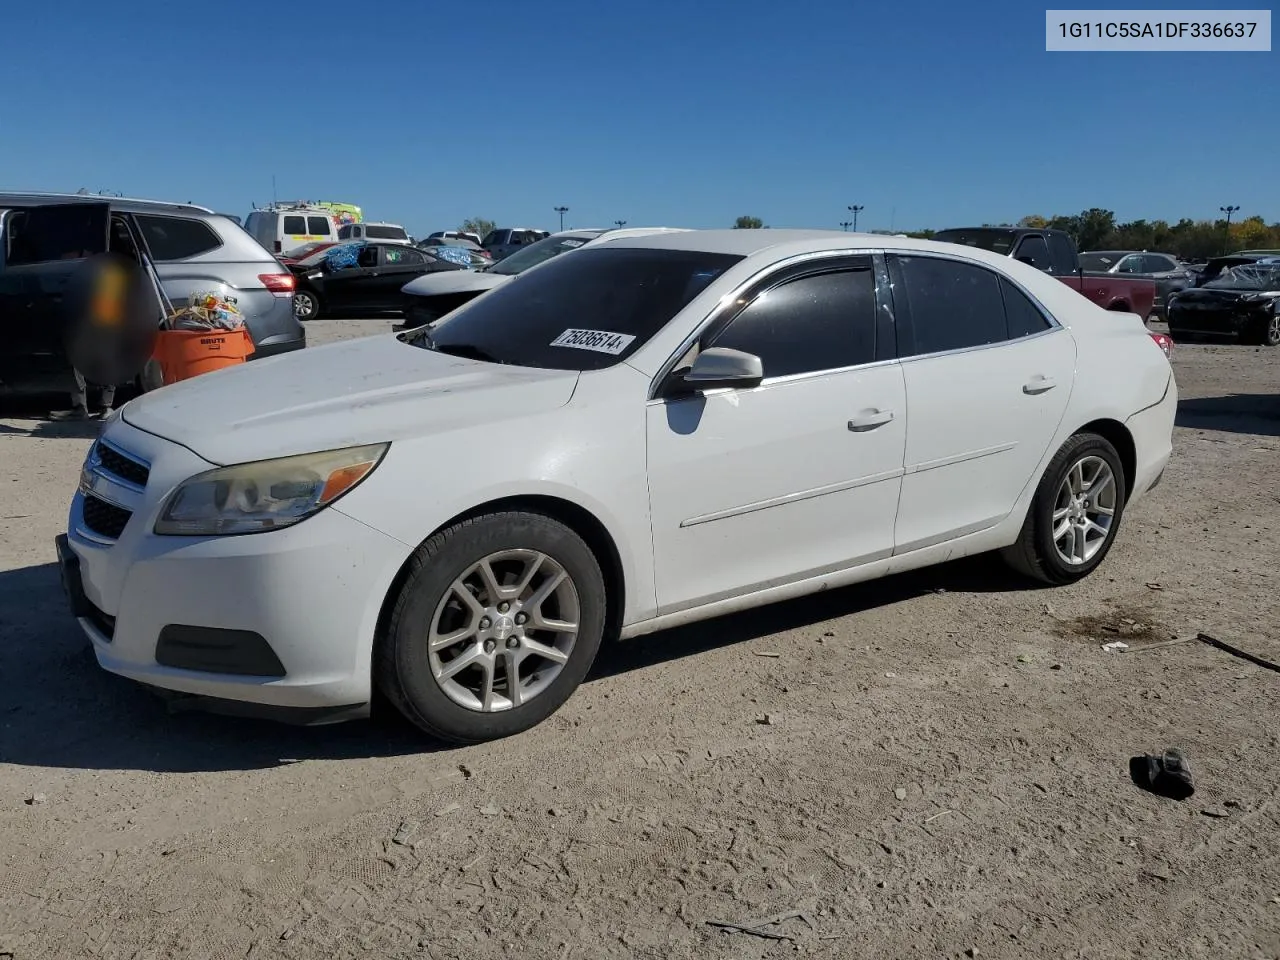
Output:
x=123 y=204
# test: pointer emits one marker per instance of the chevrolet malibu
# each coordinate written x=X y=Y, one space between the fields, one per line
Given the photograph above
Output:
x=656 y=431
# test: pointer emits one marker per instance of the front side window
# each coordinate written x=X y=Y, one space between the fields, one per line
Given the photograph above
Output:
x=584 y=312
x=818 y=322
x=177 y=238
x=952 y=305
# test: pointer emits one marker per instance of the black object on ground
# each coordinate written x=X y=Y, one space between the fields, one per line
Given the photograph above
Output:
x=1167 y=774
x=1237 y=652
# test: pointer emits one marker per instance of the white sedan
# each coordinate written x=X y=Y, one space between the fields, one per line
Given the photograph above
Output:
x=651 y=432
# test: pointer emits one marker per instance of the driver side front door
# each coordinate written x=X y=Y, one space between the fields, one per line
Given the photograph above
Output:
x=797 y=477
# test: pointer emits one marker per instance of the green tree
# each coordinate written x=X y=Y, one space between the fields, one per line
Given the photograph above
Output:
x=1033 y=222
x=748 y=223
x=477 y=225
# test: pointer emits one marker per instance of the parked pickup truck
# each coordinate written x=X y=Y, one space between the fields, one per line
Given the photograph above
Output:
x=1054 y=252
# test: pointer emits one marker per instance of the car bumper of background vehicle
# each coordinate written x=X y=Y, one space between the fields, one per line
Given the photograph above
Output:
x=275 y=346
x=281 y=619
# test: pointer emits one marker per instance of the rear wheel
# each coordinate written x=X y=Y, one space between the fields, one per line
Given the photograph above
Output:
x=306 y=304
x=1074 y=515
x=1268 y=331
x=496 y=625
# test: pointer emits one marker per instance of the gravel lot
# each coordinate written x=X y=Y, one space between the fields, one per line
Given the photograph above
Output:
x=934 y=765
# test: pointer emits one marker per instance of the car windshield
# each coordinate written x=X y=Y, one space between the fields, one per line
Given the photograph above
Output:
x=377 y=232
x=1100 y=262
x=1251 y=276
x=539 y=252
x=995 y=240
x=584 y=312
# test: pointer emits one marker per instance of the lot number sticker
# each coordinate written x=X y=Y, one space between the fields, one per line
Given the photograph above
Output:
x=601 y=341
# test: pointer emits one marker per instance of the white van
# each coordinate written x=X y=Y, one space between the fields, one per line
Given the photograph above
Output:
x=382 y=232
x=281 y=229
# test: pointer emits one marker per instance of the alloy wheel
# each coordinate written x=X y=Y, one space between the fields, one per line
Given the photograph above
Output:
x=504 y=630
x=1084 y=510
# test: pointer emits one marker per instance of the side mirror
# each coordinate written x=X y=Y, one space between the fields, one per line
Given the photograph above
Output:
x=720 y=367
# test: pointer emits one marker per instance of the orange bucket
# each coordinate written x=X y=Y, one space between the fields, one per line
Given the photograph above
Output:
x=183 y=354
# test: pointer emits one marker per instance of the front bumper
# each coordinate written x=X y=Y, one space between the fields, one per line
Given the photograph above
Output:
x=284 y=619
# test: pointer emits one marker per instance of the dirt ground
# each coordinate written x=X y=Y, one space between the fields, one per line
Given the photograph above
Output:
x=934 y=765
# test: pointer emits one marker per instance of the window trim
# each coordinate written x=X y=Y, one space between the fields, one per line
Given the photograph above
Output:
x=770 y=276
x=1054 y=325
x=141 y=229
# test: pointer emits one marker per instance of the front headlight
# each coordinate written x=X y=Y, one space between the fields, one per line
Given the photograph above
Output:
x=266 y=495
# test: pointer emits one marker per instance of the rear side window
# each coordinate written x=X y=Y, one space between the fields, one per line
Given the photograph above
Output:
x=403 y=256
x=295 y=226
x=952 y=305
x=318 y=225
x=1022 y=317
x=177 y=238
x=818 y=322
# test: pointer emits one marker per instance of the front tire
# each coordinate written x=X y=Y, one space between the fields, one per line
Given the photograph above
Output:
x=1074 y=515
x=497 y=623
x=1267 y=333
x=306 y=305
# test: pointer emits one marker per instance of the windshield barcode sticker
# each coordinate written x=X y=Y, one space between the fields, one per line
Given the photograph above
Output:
x=601 y=341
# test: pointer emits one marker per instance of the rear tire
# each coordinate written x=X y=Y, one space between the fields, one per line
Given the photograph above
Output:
x=1064 y=538
x=510 y=625
x=1267 y=333
x=306 y=305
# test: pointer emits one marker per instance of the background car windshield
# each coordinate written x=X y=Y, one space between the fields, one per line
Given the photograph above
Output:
x=1099 y=261
x=997 y=241
x=374 y=232
x=608 y=302
x=1248 y=277
x=539 y=252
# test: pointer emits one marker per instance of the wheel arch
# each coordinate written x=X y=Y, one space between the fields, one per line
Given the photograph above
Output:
x=576 y=517
x=1118 y=435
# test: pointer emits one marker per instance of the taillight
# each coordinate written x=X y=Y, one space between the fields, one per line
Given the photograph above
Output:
x=1164 y=342
x=281 y=284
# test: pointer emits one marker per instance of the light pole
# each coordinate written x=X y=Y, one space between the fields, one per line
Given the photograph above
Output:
x=845 y=225
x=1229 y=210
x=855 y=209
x=562 y=211
x=620 y=223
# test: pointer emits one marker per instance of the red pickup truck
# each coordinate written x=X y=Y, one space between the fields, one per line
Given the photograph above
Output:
x=1054 y=252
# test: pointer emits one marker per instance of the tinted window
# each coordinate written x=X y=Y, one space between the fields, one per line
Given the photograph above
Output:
x=1022 y=317
x=402 y=256
x=819 y=322
x=295 y=225
x=68 y=233
x=176 y=238
x=1035 y=251
x=492 y=237
x=951 y=304
x=1063 y=252
x=375 y=232
x=619 y=297
x=367 y=257
x=996 y=240
x=318 y=225
x=536 y=253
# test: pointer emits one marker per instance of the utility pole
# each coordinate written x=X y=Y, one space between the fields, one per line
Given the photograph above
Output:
x=1229 y=210
x=845 y=225
x=620 y=223
x=855 y=210
x=562 y=211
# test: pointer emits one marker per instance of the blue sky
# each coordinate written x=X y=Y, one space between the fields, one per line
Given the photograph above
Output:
x=659 y=113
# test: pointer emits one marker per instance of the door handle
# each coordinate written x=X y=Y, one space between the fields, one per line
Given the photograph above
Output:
x=869 y=420
x=1037 y=385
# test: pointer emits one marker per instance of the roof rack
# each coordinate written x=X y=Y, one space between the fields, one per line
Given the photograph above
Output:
x=53 y=195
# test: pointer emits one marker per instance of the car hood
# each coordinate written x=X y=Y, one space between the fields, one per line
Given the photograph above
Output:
x=348 y=393
x=1224 y=295
x=453 y=281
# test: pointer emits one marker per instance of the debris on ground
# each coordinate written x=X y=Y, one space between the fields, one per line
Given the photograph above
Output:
x=768 y=720
x=1115 y=646
x=1215 y=812
x=1167 y=774
x=757 y=927
x=900 y=793
x=1237 y=652
x=404 y=833
x=490 y=810
x=767 y=653
x=36 y=798
x=1154 y=586
x=446 y=810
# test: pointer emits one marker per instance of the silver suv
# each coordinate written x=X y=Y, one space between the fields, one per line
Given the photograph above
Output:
x=507 y=240
x=193 y=249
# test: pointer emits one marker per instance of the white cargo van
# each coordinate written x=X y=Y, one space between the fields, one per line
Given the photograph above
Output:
x=282 y=228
